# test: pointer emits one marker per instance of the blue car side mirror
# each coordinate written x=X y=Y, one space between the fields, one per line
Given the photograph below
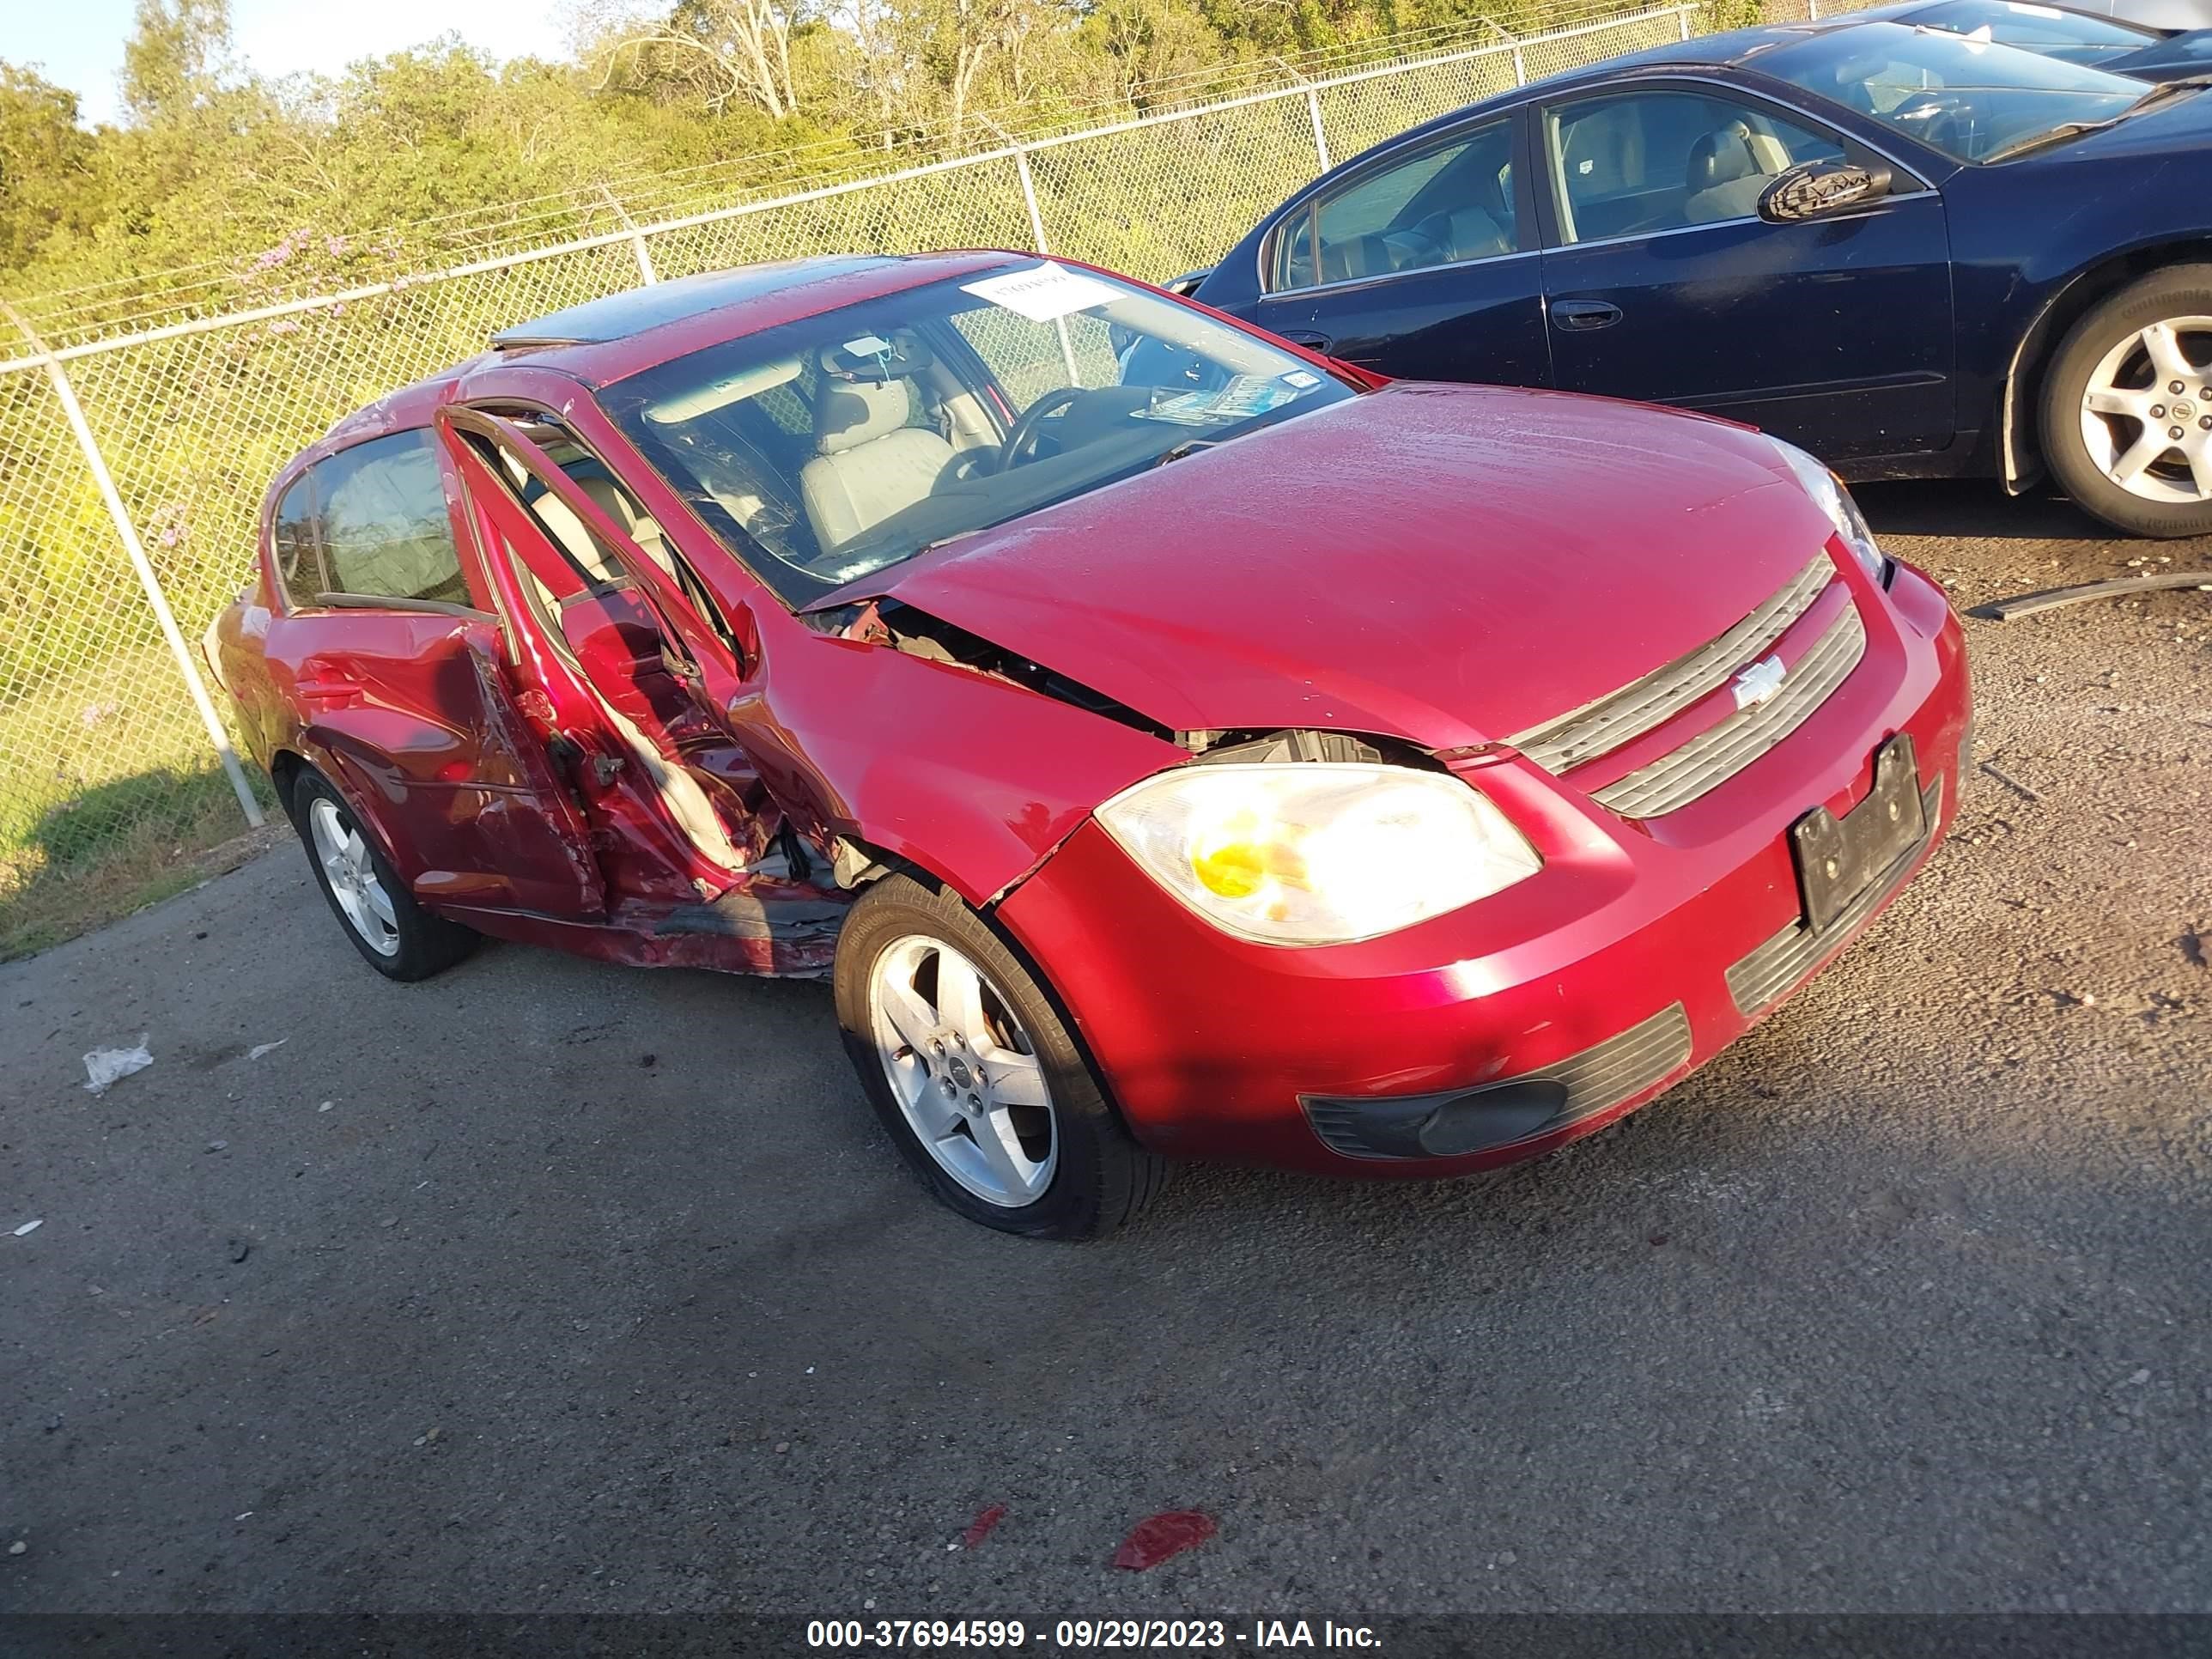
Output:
x=1814 y=190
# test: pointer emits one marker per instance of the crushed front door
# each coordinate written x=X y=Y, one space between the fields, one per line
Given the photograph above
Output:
x=610 y=638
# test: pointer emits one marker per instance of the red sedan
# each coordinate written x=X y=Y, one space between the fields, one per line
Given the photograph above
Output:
x=1172 y=742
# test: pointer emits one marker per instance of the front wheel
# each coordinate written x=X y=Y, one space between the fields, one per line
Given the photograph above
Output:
x=973 y=1074
x=398 y=936
x=2127 y=407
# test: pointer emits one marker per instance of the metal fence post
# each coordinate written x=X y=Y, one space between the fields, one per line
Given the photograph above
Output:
x=219 y=738
x=1036 y=234
x=1812 y=11
x=1520 y=68
x=1313 y=110
x=645 y=270
x=1029 y=201
x=1682 y=17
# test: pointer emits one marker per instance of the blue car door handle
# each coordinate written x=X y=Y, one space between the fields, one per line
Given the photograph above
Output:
x=1308 y=338
x=1578 y=316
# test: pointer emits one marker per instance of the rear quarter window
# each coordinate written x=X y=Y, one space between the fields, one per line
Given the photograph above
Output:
x=294 y=556
x=382 y=524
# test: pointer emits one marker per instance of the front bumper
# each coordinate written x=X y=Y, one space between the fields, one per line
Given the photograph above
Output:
x=1640 y=951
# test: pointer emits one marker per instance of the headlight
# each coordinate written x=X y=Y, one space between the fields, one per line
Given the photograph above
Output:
x=1827 y=490
x=1317 y=853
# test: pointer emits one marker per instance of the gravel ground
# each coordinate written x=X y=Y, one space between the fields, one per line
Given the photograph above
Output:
x=556 y=1286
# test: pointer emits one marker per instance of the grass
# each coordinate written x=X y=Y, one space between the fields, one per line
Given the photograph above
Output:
x=151 y=863
x=112 y=800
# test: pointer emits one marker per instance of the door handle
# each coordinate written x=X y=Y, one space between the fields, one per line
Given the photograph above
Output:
x=318 y=681
x=1308 y=338
x=1579 y=316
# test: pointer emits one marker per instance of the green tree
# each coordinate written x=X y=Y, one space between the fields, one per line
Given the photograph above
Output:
x=49 y=179
x=176 y=58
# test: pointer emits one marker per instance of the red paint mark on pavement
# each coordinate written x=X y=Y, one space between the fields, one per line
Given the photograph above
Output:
x=1156 y=1537
x=980 y=1528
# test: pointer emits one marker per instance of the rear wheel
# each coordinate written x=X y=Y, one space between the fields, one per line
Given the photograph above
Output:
x=395 y=935
x=974 y=1075
x=2127 y=407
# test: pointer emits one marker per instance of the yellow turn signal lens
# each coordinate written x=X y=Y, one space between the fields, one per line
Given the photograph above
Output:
x=1238 y=868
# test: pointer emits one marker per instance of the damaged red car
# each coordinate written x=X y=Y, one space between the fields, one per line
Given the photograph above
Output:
x=1171 y=742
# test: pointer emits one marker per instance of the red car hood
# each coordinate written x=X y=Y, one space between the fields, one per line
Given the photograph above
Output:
x=1445 y=564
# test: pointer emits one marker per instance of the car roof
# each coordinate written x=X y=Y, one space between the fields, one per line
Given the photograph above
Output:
x=606 y=339
x=1732 y=50
x=618 y=316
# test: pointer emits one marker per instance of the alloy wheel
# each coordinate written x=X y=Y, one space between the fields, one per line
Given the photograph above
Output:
x=963 y=1071
x=343 y=851
x=2147 y=412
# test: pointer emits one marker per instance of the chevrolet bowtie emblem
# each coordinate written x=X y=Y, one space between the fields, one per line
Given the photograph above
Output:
x=1758 y=682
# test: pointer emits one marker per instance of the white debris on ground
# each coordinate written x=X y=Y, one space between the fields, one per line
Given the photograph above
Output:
x=104 y=1067
x=261 y=1048
x=30 y=1227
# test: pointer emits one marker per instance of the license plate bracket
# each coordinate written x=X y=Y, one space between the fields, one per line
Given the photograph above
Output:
x=1838 y=859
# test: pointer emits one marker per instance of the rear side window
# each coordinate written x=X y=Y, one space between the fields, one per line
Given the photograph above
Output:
x=381 y=522
x=292 y=543
x=791 y=405
x=1445 y=206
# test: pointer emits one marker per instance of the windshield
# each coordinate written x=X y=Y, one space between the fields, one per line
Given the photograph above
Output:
x=2071 y=35
x=829 y=448
x=1972 y=100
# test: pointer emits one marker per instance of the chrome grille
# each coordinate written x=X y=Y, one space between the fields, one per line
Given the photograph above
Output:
x=1599 y=728
x=1714 y=755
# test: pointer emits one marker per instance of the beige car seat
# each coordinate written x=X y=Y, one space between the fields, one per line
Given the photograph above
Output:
x=583 y=547
x=869 y=464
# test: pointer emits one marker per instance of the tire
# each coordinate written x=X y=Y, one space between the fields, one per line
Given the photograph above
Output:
x=1067 y=1168
x=2107 y=353
x=411 y=944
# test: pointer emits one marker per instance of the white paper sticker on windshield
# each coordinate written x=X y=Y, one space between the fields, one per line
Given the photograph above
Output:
x=1042 y=292
x=868 y=345
x=2035 y=11
x=1302 y=379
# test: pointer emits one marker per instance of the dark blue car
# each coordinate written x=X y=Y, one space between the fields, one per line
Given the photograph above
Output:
x=1915 y=252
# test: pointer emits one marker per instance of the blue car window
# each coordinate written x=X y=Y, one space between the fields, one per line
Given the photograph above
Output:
x=1638 y=163
x=1445 y=205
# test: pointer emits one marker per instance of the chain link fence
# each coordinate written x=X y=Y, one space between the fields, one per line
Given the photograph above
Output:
x=132 y=464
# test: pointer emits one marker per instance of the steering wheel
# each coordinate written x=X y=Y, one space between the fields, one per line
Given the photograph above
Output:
x=1023 y=439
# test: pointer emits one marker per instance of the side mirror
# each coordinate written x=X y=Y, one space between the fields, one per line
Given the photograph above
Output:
x=1814 y=190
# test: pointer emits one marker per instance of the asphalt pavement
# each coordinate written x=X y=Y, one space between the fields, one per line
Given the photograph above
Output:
x=554 y=1287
